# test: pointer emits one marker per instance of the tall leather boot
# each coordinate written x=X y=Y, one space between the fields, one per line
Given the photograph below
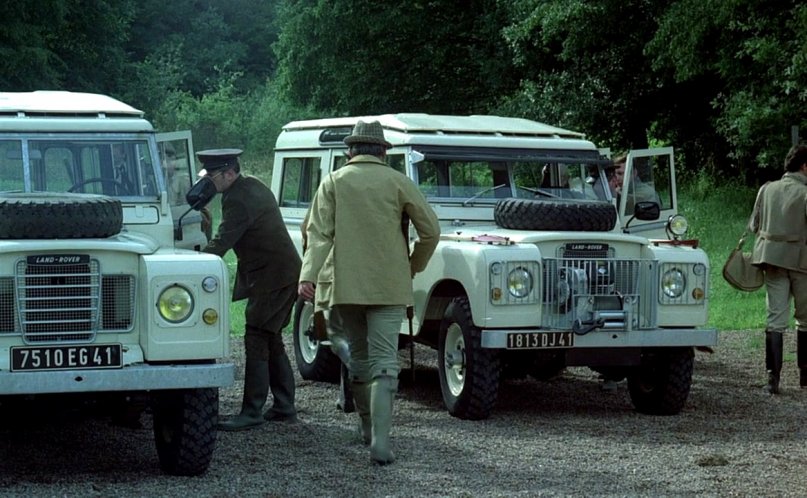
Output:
x=256 y=388
x=361 y=398
x=345 y=401
x=281 y=382
x=773 y=360
x=801 y=356
x=382 y=396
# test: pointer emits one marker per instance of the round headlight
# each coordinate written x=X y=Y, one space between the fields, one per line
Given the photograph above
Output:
x=678 y=225
x=519 y=283
x=175 y=304
x=673 y=283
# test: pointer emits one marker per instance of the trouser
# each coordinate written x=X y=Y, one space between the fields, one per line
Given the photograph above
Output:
x=781 y=285
x=372 y=332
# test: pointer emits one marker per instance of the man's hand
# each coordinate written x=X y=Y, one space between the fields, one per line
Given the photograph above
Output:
x=306 y=290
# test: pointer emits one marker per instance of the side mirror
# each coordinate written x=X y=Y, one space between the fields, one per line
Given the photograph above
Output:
x=200 y=194
x=647 y=211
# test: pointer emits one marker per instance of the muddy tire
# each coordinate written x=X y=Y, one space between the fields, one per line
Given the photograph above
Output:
x=185 y=429
x=660 y=386
x=45 y=215
x=469 y=374
x=555 y=214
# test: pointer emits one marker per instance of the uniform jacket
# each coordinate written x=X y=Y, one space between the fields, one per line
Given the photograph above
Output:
x=780 y=221
x=355 y=225
x=252 y=226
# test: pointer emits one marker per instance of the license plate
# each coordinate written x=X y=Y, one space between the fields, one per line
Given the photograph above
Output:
x=540 y=340
x=66 y=357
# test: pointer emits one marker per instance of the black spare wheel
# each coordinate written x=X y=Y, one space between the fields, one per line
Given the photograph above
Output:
x=49 y=215
x=555 y=214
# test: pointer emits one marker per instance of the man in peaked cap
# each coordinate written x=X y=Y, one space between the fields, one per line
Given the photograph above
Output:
x=354 y=231
x=268 y=266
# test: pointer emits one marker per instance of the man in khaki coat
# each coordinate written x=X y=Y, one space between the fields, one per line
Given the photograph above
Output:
x=356 y=221
x=780 y=222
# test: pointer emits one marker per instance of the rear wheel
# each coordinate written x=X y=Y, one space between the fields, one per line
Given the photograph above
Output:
x=660 y=386
x=185 y=429
x=469 y=374
x=315 y=361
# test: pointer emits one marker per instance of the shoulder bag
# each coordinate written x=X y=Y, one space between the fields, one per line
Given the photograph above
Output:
x=739 y=272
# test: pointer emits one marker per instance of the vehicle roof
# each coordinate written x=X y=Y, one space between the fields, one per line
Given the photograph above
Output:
x=62 y=102
x=62 y=111
x=417 y=122
x=432 y=129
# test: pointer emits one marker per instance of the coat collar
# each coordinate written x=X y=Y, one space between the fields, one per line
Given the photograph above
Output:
x=366 y=158
x=797 y=176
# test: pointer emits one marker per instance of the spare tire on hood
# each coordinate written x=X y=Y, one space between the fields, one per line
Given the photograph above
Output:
x=555 y=214
x=50 y=215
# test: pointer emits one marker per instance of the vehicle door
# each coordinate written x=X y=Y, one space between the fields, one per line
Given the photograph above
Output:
x=649 y=177
x=178 y=165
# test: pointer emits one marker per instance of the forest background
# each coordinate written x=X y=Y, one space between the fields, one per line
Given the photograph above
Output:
x=723 y=81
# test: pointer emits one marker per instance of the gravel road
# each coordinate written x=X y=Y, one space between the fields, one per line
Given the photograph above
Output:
x=565 y=437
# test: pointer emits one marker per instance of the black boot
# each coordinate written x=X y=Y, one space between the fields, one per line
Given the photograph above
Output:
x=256 y=388
x=773 y=360
x=801 y=356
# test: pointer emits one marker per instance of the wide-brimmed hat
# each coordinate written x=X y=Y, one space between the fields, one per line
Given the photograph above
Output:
x=216 y=159
x=367 y=133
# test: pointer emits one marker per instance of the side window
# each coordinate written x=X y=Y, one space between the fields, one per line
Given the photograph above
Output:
x=176 y=165
x=650 y=182
x=11 y=172
x=397 y=162
x=301 y=176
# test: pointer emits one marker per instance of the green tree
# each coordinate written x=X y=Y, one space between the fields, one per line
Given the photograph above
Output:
x=64 y=44
x=367 y=57
x=753 y=54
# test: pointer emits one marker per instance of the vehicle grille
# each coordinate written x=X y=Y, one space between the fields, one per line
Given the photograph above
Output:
x=618 y=291
x=65 y=302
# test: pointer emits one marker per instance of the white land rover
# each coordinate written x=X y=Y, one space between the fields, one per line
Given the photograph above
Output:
x=103 y=293
x=539 y=266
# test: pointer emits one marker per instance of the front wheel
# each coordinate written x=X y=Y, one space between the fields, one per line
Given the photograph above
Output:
x=314 y=361
x=469 y=375
x=660 y=386
x=185 y=429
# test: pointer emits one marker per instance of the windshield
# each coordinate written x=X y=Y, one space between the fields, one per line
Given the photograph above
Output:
x=114 y=167
x=484 y=181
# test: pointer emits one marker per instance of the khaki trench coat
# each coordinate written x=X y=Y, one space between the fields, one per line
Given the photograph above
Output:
x=368 y=262
x=780 y=221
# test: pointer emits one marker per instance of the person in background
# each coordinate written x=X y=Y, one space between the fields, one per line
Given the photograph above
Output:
x=779 y=220
x=364 y=202
x=268 y=267
x=333 y=325
x=177 y=180
x=638 y=190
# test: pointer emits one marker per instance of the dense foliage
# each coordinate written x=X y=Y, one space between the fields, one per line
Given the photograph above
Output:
x=724 y=81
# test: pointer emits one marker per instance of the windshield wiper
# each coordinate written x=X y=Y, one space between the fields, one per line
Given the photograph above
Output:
x=481 y=192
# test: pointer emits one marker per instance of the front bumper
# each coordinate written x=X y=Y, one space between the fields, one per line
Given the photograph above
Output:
x=497 y=339
x=131 y=378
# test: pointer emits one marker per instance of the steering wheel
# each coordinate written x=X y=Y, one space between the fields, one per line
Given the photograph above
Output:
x=117 y=183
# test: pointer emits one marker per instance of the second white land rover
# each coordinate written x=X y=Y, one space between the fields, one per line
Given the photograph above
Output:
x=540 y=265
